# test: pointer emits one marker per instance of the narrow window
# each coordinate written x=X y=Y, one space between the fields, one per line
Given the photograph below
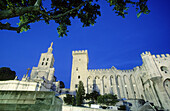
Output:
x=43 y=59
x=42 y=63
x=76 y=68
x=46 y=63
x=78 y=77
x=47 y=59
x=76 y=86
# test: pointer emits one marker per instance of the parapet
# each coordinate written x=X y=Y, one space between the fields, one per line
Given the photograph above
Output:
x=100 y=70
x=155 y=56
x=146 y=53
x=161 y=56
x=79 y=52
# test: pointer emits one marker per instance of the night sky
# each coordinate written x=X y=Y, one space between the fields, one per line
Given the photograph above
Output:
x=112 y=41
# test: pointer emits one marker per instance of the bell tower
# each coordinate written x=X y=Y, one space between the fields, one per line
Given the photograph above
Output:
x=45 y=69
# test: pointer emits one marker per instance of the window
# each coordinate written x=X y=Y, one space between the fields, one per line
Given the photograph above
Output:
x=78 y=77
x=46 y=63
x=76 y=68
x=164 y=69
x=76 y=86
x=79 y=59
x=42 y=63
x=43 y=59
x=47 y=59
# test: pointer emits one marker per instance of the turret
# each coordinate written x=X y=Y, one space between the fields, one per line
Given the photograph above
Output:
x=150 y=65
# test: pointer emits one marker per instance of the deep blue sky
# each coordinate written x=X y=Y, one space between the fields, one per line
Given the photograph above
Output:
x=112 y=41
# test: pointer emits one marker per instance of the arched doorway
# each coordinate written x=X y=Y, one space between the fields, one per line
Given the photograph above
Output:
x=166 y=85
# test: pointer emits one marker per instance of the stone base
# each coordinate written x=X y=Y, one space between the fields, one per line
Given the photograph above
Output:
x=29 y=101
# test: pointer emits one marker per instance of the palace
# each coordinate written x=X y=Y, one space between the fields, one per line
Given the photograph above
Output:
x=150 y=82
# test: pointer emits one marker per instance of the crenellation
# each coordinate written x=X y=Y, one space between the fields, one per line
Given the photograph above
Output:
x=158 y=56
x=153 y=56
x=162 y=55
x=79 y=52
x=145 y=53
x=167 y=55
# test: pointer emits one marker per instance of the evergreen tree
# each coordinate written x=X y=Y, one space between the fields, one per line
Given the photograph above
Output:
x=80 y=94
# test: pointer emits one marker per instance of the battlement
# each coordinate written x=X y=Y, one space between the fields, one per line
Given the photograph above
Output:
x=131 y=70
x=100 y=70
x=145 y=53
x=155 y=56
x=79 y=52
x=161 y=56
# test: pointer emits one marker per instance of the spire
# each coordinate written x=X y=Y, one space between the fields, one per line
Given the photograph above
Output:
x=50 y=49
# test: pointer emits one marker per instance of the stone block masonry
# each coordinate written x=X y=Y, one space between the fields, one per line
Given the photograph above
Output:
x=29 y=101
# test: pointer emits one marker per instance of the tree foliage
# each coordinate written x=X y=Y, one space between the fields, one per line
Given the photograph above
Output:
x=92 y=96
x=7 y=74
x=107 y=99
x=69 y=100
x=80 y=94
x=60 y=11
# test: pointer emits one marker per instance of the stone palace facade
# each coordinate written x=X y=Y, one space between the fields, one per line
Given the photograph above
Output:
x=150 y=82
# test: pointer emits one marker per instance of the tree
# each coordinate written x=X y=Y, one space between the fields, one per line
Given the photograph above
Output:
x=7 y=74
x=92 y=96
x=31 y=11
x=69 y=99
x=107 y=99
x=80 y=94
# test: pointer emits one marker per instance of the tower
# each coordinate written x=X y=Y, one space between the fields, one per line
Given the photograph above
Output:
x=79 y=69
x=45 y=69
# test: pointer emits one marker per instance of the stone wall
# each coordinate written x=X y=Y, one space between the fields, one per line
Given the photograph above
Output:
x=150 y=81
x=29 y=101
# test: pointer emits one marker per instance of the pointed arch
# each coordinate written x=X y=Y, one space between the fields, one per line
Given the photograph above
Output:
x=105 y=85
x=128 y=90
x=120 y=87
x=134 y=87
x=89 y=84
x=97 y=84
x=166 y=85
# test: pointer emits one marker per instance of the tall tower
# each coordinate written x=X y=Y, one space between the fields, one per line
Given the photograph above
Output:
x=79 y=69
x=45 y=69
